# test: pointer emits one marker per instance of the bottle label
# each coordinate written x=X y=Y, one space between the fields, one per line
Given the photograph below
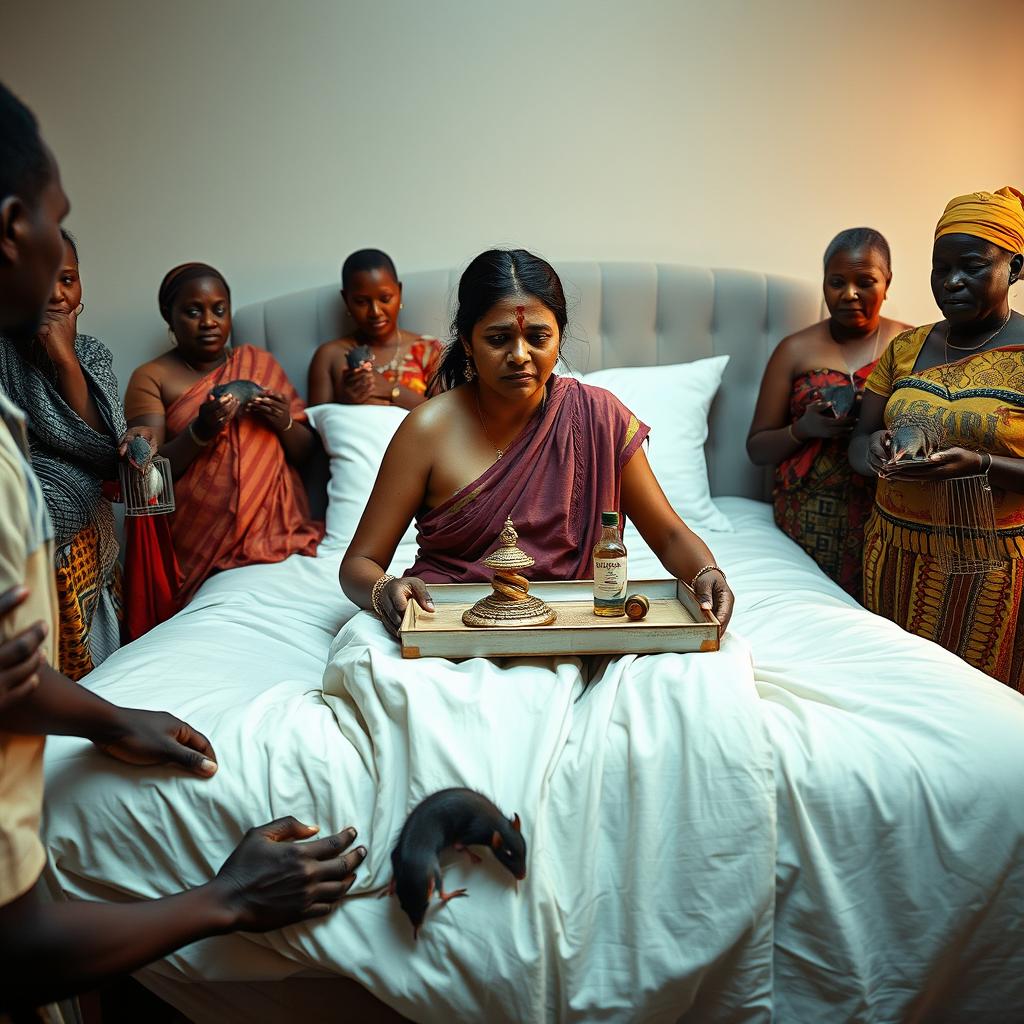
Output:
x=609 y=582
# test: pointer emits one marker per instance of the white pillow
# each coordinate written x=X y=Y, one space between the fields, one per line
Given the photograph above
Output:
x=674 y=402
x=355 y=438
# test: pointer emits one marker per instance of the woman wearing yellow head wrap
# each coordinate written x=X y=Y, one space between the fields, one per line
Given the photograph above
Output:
x=965 y=377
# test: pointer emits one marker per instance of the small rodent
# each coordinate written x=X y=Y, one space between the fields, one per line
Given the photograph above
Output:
x=458 y=818
x=243 y=390
x=357 y=355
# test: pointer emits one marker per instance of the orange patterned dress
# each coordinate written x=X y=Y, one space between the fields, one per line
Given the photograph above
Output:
x=819 y=500
x=418 y=365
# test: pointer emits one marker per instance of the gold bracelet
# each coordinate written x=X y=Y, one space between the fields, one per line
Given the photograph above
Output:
x=792 y=434
x=196 y=439
x=375 y=592
x=700 y=572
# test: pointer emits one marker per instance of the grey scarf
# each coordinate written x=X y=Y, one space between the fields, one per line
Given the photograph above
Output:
x=70 y=458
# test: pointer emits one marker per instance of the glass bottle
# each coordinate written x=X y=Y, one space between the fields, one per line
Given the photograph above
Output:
x=610 y=568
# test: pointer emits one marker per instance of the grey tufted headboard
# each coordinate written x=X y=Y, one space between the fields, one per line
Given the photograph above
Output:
x=620 y=314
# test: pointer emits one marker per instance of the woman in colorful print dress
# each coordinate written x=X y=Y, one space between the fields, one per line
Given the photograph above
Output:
x=808 y=405
x=401 y=363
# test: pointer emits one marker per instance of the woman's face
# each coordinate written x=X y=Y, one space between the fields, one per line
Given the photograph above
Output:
x=373 y=298
x=855 y=285
x=67 y=289
x=970 y=277
x=201 y=319
x=514 y=346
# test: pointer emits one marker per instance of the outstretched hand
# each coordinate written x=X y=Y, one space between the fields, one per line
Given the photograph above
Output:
x=271 y=881
x=395 y=596
x=714 y=594
x=155 y=737
x=941 y=465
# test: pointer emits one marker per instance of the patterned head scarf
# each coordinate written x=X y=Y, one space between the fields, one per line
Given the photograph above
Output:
x=998 y=217
x=174 y=280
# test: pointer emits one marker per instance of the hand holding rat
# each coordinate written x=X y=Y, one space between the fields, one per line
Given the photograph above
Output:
x=941 y=465
x=818 y=421
x=274 y=408
x=215 y=414
x=357 y=385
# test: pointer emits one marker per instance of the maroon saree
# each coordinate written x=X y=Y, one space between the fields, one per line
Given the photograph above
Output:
x=554 y=480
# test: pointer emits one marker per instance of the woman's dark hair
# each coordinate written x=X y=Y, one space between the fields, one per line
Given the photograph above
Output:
x=175 y=279
x=495 y=275
x=25 y=167
x=859 y=238
x=72 y=241
x=366 y=259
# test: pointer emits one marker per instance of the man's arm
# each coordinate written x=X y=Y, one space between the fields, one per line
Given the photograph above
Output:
x=59 y=707
x=49 y=950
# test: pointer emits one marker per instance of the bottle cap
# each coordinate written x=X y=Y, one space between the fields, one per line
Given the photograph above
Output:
x=609 y=518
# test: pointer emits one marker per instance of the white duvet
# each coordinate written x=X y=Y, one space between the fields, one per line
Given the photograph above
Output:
x=822 y=821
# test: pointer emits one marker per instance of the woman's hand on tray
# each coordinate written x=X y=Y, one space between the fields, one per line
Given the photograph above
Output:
x=271 y=881
x=155 y=737
x=396 y=594
x=715 y=594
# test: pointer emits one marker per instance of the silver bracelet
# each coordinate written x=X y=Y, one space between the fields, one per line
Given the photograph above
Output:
x=375 y=592
x=986 y=461
x=700 y=572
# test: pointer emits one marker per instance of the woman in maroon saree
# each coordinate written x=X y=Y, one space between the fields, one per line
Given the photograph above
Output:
x=503 y=436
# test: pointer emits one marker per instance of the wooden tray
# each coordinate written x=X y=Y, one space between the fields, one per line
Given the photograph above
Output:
x=676 y=622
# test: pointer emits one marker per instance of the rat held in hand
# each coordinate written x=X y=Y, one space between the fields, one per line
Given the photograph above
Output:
x=243 y=390
x=457 y=818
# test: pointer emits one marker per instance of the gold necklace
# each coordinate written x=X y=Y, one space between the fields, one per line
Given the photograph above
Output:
x=946 y=346
x=982 y=343
x=483 y=423
x=202 y=373
x=874 y=354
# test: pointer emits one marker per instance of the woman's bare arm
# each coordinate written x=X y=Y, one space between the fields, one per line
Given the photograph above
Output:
x=397 y=495
x=868 y=450
x=678 y=548
x=321 y=375
x=769 y=440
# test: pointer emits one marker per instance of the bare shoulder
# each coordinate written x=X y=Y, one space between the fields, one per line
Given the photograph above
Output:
x=430 y=421
x=157 y=369
x=792 y=345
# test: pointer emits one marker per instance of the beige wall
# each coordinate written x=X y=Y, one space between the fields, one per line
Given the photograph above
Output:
x=273 y=138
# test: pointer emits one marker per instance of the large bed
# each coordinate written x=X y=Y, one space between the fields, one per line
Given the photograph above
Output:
x=820 y=822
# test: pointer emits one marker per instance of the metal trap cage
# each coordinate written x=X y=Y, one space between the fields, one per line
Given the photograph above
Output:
x=965 y=526
x=148 y=491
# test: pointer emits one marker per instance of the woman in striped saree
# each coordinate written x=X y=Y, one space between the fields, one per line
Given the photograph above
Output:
x=239 y=498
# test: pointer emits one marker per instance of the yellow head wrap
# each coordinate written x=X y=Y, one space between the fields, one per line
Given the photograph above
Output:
x=998 y=217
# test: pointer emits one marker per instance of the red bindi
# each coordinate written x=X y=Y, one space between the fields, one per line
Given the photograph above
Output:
x=520 y=310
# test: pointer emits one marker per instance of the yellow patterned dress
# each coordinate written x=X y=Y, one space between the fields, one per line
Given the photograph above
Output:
x=978 y=403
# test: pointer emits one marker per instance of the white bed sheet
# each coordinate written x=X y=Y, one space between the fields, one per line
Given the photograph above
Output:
x=899 y=869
